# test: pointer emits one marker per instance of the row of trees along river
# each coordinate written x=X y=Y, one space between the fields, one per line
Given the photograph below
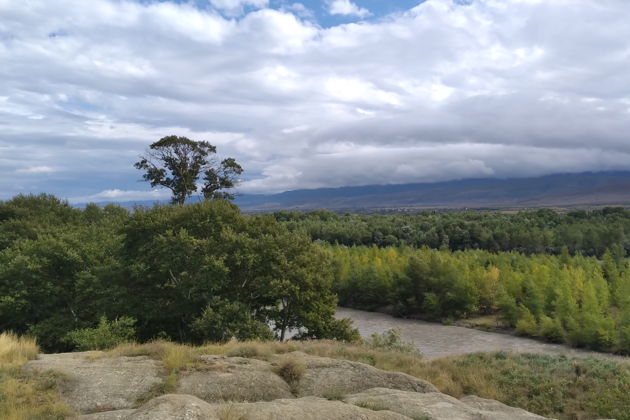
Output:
x=560 y=277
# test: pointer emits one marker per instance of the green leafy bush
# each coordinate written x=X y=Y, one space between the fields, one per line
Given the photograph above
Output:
x=390 y=340
x=106 y=335
x=222 y=321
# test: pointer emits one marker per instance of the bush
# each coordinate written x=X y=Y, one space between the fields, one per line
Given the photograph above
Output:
x=108 y=334
x=551 y=329
x=390 y=340
x=222 y=321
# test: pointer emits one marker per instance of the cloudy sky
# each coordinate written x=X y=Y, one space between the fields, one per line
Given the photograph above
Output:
x=312 y=93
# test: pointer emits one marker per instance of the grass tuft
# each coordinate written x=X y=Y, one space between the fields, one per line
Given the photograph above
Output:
x=291 y=370
x=334 y=395
x=251 y=349
x=15 y=350
x=372 y=405
x=229 y=412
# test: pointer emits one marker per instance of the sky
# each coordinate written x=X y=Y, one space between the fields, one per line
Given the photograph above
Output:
x=311 y=94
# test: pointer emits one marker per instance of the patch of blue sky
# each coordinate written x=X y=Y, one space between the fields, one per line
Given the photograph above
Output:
x=319 y=10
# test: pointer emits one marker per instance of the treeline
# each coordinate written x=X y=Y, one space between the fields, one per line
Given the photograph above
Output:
x=193 y=273
x=577 y=300
x=540 y=231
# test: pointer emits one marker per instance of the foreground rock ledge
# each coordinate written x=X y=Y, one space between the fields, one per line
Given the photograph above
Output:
x=226 y=388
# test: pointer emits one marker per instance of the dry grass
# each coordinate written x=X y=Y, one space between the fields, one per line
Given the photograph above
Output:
x=179 y=355
x=291 y=370
x=15 y=351
x=552 y=386
x=174 y=356
x=372 y=405
x=228 y=411
x=23 y=395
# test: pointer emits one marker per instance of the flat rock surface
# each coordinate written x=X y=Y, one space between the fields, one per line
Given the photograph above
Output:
x=108 y=415
x=308 y=408
x=435 y=406
x=498 y=408
x=324 y=376
x=222 y=378
x=177 y=407
x=104 y=384
x=187 y=407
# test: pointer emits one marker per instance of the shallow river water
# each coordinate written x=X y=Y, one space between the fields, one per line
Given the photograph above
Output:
x=437 y=340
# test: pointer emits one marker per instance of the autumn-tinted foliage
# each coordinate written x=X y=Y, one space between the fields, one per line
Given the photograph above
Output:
x=578 y=300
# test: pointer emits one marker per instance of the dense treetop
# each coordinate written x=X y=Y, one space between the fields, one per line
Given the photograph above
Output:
x=533 y=231
x=193 y=273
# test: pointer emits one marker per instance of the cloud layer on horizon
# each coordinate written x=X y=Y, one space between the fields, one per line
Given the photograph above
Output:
x=449 y=89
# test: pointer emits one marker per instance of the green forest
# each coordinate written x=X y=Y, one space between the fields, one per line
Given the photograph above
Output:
x=207 y=272
x=560 y=277
x=194 y=273
x=589 y=233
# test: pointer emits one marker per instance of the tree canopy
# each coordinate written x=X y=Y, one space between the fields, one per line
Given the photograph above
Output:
x=177 y=163
x=190 y=273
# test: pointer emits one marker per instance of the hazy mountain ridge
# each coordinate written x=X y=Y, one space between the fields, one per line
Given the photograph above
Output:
x=583 y=189
x=558 y=190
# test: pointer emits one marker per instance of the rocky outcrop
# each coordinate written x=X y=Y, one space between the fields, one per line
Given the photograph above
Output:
x=437 y=406
x=221 y=378
x=101 y=384
x=226 y=388
x=187 y=407
x=108 y=415
x=324 y=376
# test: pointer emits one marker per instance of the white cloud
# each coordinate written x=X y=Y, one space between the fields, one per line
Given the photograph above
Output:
x=347 y=8
x=36 y=170
x=299 y=9
x=236 y=7
x=122 y=196
x=441 y=91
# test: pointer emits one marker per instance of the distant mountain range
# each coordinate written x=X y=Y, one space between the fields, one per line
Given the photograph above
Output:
x=588 y=189
x=562 y=190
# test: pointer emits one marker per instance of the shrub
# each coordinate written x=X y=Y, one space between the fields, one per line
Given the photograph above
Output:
x=390 y=340
x=551 y=329
x=334 y=329
x=222 y=321
x=106 y=335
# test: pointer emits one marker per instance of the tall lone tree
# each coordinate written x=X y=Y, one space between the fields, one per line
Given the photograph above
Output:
x=177 y=163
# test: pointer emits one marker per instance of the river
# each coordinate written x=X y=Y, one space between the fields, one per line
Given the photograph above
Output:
x=436 y=340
